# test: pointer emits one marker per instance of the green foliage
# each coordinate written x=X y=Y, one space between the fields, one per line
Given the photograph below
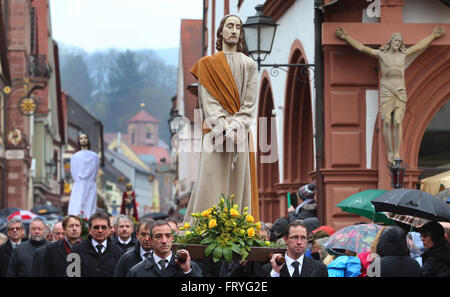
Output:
x=112 y=84
x=225 y=230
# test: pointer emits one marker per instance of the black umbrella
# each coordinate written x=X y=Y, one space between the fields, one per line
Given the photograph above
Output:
x=7 y=211
x=160 y=215
x=43 y=209
x=413 y=203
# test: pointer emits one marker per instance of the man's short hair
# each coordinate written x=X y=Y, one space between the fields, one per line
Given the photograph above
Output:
x=157 y=224
x=37 y=219
x=123 y=218
x=66 y=220
x=147 y=223
x=14 y=221
x=99 y=215
x=296 y=223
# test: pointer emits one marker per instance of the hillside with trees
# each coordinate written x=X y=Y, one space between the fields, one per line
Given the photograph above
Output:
x=113 y=84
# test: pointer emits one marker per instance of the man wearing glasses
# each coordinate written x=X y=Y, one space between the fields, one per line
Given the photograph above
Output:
x=15 y=234
x=162 y=262
x=296 y=264
x=98 y=254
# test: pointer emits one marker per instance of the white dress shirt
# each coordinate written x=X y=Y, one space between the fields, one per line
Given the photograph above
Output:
x=157 y=259
x=95 y=243
x=143 y=252
x=124 y=242
x=288 y=263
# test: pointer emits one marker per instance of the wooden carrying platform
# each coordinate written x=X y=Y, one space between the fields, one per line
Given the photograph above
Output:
x=197 y=251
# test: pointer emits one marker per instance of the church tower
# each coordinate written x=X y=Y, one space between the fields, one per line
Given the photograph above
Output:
x=142 y=129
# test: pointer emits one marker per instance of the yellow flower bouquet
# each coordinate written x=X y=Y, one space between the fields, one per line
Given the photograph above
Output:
x=225 y=230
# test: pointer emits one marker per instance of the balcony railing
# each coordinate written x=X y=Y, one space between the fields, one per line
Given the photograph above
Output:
x=38 y=67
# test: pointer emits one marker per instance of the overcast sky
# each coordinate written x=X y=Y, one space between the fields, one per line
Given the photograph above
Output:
x=123 y=24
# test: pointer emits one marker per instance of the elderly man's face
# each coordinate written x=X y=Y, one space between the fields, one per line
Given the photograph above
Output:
x=231 y=30
x=15 y=232
x=124 y=229
x=37 y=230
x=58 y=232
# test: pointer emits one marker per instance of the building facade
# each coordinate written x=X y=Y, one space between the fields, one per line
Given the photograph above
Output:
x=323 y=121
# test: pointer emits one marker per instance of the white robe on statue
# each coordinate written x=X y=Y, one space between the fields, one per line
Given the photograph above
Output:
x=84 y=168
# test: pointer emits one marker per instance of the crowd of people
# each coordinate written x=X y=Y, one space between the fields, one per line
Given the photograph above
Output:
x=117 y=248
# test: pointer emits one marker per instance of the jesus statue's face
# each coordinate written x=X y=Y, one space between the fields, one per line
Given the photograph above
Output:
x=396 y=42
x=84 y=141
x=231 y=30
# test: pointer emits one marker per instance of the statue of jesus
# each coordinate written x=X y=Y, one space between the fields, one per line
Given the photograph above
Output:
x=393 y=98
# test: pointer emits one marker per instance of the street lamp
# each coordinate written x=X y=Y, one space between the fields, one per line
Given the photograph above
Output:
x=259 y=34
x=176 y=123
x=397 y=174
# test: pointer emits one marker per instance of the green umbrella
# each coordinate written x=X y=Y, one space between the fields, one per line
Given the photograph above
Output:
x=359 y=204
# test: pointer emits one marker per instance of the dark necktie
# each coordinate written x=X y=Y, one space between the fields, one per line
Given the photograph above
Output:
x=163 y=262
x=99 y=248
x=296 y=272
x=146 y=255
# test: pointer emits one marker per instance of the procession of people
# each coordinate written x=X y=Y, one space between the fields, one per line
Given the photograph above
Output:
x=227 y=96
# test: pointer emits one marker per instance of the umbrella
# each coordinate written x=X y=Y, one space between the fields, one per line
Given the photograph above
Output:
x=7 y=211
x=161 y=215
x=410 y=220
x=44 y=209
x=413 y=203
x=359 y=204
x=356 y=238
x=24 y=215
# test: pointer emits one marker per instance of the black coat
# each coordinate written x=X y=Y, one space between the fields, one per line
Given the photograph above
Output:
x=436 y=260
x=94 y=264
x=148 y=268
x=53 y=262
x=395 y=260
x=5 y=254
x=21 y=262
x=128 y=260
x=306 y=211
x=125 y=247
x=235 y=269
x=310 y=268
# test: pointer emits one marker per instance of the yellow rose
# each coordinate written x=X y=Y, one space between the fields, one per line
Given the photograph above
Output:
x=188 y=233
x=242 y=231
x=232 y=196
x=7 y=90
x=251 y=232
x=258 y=226
x=235 y=206
x=267 y=243
x=250 y=219
x=185 y=226
x=234 y=213
x=212 y=223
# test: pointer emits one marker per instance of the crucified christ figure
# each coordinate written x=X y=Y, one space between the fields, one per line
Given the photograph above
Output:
x=393 y=98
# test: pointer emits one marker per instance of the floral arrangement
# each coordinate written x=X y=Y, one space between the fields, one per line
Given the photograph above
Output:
x=84 y=226
x=225 y=230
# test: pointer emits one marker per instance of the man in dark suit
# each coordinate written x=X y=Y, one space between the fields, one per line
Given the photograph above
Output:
x=296 y=264
x=51 y=260
x=124 y=230
x=162 y=263
x=98 y=253
x=15 y=233
x=139 y=252
x=21 y=262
